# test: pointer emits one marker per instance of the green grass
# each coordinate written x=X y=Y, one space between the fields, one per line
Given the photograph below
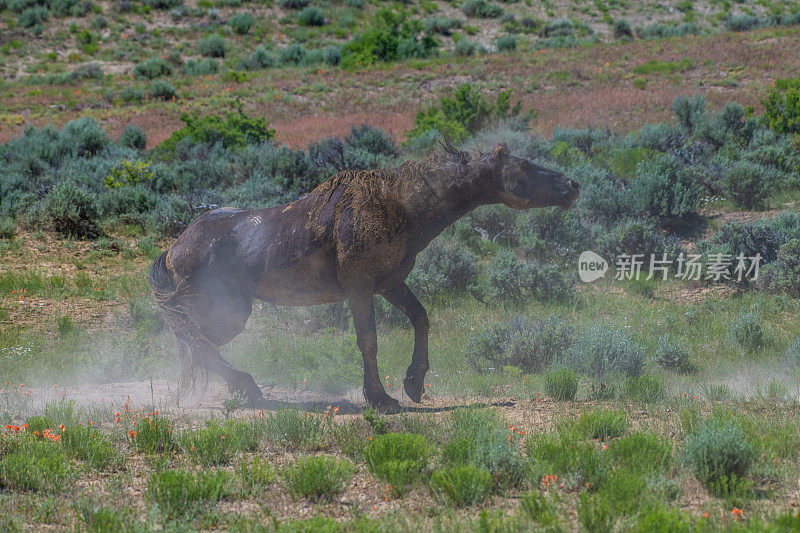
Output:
x=398 y=459
x=180 y=492
x=318 y=478
x=602 y=424
x=462 y=485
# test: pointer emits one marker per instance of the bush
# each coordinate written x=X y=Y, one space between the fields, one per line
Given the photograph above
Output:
x=466 y=48
x=294 y=54
x=38 y=466
x=318 y=478
x=638 y=237
x=782 y=109
x=561 y=384
x=441 y=25
x=209 y=446
x=33 y=17
x=69 y=211
x=462 y=485
x=161 y=89
x=664 y=188
x=602 y=424
x=254 y=475
x=792 y=353
x=690 y=112
x=179 y=493
x=672 y=355
x=241 y=23
x=398 y=459
x=311 y=16
x=601 y=351
x=83 y=137
x=443 y=266
x=332 y=55
x=512 y=279
x=718 y=449
x=530 y=345
x=747 y=332
x=293 y=428
x=133 y=137
x=747 y=184
x=203 y=67
x=506 y=43
x=152 y=436
x=752 y=238
x=481 y=9
x=480 y=437
x=152 y=68
x=643 y=453
x=646 y=388
x=566 y=453
x=622 y=30
x=90 y=446
x=742 y=23
x=235 y=131
x=212 y=46
x=294 y=4
x=8 y=228
x=783 y=275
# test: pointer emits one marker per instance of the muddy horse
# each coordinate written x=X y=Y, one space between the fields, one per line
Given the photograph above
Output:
x=354 y=236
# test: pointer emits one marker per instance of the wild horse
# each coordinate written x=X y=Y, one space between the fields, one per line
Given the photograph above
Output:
x=354 y=236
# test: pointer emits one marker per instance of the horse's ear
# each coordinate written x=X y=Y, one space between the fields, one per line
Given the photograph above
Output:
x=500 y=150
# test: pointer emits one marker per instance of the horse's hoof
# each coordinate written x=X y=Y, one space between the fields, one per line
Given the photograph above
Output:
x=413 y=390
x=389 y=407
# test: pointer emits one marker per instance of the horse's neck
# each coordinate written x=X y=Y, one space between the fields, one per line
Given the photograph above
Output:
x=437 y=199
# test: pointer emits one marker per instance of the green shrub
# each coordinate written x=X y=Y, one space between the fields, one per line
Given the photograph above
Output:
x=644 y=453
x=8 y=228
x=445 y=265
x=661 y=520
x=672 y=354
x=601 y=351
x=441 y=25
x=318 y=478
x=602 y=424
x=506 y=43
x=152 y=435
x=512 y=279
x=90 y=446
x=664 y=188
x=561 y=384
x=311 y=16
x=241 y=23
x=152 y=68
x=718 y=449
x=690 y=111
x=466 y=48
x=747 y=332
x=594 y=513
x=523 y=343
x=161 y=89
x=398 y=459
x=622 y=30
x=747 y=184
x=33 y=17
x=480 y=437
x=294 y=4
x=212 y=46
x=235 y=131
x=254 y=475
x=37 y=466
x=783 y=275
x=638 y=237
x=293 y=428
x=481 y=9
x=540 y=508
x=133 y=137
x=332 y=55
x=69 y=211
x=294 y=54
x=209 y=446
x=782 y=107
x=639 y=83
x=741 y=23
x=566 y=453
x=461 y=485
x=202 y=67
x=646 y=388
x=179 y=492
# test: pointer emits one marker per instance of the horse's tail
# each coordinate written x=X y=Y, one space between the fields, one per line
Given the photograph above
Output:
x=169 y=295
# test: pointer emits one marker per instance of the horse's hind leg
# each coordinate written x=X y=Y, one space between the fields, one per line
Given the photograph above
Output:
x=402 y=298
x=217 y=323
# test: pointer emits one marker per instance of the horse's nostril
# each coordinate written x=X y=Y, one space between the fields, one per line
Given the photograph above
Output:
x=574 y=184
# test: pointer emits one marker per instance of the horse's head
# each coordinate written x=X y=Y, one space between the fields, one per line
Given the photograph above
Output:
x=523 y=185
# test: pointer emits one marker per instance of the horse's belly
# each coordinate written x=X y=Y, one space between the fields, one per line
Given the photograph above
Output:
x=300 y=286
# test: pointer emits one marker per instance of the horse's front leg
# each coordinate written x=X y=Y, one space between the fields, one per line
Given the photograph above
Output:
x=402 y=298
x=363 y=308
